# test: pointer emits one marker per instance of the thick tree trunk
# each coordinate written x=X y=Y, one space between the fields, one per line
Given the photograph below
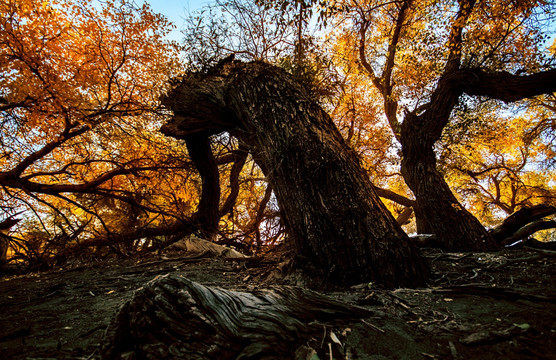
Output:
x=441 y=213
x=334 y=218
x=207 y=216
x=174 y=318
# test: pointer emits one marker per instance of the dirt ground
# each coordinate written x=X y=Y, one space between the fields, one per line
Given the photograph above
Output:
x=477 y=306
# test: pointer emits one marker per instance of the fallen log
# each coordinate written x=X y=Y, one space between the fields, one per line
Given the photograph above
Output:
x=175 y=318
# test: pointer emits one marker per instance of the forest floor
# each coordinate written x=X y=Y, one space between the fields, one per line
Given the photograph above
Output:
x=477 y=306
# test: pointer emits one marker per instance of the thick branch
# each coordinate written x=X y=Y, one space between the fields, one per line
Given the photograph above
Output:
x=9 y=180
x=455 y=42
x=503 y=85
x=529 y=230
x=8 y=223
x=404 y=216
x=384 y=83
x=397 y=198
x=256 y=223
x=179 y=229
x=391 y=105
x=6 y=105
x=240 y=157
x=519 y=219
x=363 y=55
x=48 y=148
x=498 y=85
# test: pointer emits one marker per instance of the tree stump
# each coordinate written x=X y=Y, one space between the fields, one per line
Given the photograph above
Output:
x=175 y=318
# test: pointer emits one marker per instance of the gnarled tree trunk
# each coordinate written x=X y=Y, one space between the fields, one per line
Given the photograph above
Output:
x=455 y=227
x=335 y=220
x=174 y=318
x=440 y=212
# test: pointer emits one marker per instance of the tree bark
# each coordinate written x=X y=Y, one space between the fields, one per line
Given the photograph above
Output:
x=511 y=229
x=174 y=318
x=335 y=221
x=437 y=208
x=207 y=216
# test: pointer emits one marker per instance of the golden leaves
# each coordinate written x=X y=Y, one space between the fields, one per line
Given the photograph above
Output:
x=79 y=85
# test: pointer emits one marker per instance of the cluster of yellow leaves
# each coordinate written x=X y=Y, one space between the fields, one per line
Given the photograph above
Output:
x=69 y=67
x=497 y=168
x=501 y=34
x=67 y=63
x=356 y=110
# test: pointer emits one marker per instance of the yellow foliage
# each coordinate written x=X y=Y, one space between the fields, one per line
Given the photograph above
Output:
x=80 y=86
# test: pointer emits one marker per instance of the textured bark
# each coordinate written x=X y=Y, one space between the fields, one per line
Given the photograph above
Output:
x=437 y=208
x=334 y=218
x=174 y=318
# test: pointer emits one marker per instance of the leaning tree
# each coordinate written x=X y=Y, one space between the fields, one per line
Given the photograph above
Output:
x=336 y=223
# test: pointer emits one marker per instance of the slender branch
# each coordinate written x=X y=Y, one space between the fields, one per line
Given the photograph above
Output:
x=66 y=135
x=363 y=55
x=391 y=106
x=384 y=83
x=455 y=41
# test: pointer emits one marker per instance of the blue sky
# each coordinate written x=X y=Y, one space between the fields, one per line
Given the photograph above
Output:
x=176 y=11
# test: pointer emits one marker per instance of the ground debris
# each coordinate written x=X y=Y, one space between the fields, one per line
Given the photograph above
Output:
x=484 y=311
x=489 y=336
